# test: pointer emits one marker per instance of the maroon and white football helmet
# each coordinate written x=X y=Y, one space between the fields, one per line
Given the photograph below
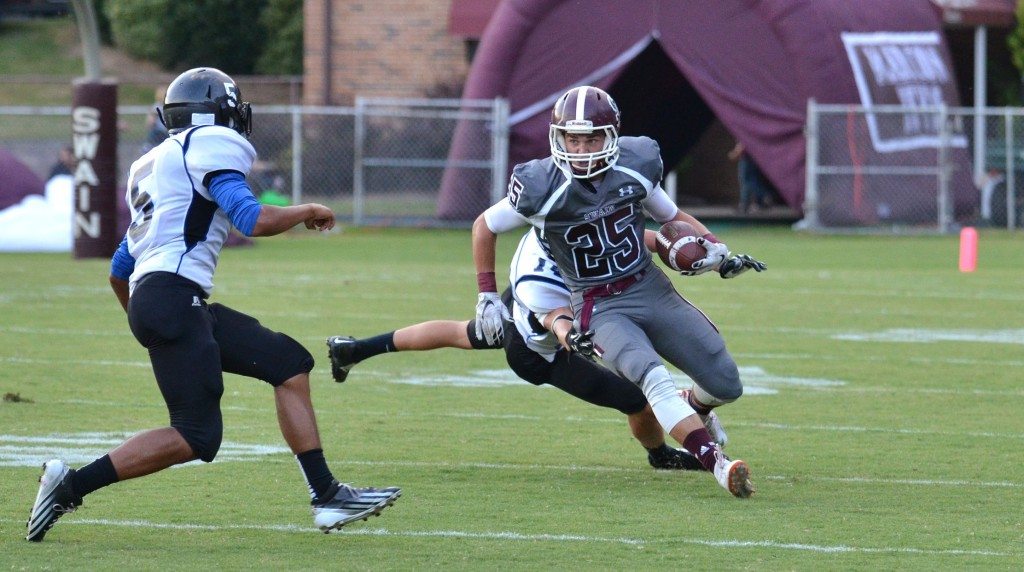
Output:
x=584 y=110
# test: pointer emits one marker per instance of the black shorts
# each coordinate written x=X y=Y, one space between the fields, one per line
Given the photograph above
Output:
x=191 y=343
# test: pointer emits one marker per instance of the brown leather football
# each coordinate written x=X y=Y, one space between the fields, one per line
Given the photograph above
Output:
x=677 y=245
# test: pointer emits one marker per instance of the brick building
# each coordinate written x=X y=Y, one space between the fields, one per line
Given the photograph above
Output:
x=400 y=48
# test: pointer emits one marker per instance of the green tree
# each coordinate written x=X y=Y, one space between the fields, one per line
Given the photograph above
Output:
x=282 y=54
x=103 y=23
x=135 y=27
x=1016 y=43
x=226 y=34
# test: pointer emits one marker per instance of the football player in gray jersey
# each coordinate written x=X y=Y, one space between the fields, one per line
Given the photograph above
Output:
x=589 y=203
x=184 y=196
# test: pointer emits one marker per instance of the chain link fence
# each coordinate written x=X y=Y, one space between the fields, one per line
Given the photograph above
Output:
x=904 y=170
x=378 y=163
x=402 y=154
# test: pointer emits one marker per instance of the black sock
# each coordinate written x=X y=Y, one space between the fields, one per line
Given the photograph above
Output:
x=376 y=345
x=314 y=467
x=660 y=451
x=94 y=476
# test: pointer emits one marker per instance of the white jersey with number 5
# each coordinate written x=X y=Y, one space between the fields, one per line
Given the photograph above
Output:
x=176 y=225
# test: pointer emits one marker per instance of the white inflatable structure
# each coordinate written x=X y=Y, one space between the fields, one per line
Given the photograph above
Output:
x=40 y=223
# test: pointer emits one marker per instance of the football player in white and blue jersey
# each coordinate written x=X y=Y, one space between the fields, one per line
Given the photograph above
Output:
x=588 y=202
x=184 y=195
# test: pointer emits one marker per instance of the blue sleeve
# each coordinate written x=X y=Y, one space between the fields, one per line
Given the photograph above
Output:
x=233 y=194
x=122 y=264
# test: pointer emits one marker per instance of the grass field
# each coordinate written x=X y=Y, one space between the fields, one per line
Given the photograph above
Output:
x=882 y=419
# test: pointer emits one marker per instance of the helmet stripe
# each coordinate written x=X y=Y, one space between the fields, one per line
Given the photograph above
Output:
x=581 y=103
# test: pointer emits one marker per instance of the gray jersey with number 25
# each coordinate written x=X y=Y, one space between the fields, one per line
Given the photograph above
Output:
x=594 y=231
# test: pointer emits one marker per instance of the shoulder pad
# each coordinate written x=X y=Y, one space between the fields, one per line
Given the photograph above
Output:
x=642 y=154
x=531 y=183
x=217 y=148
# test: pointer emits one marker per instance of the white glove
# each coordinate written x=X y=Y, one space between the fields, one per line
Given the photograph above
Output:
x=491 y=315
x=717 y=253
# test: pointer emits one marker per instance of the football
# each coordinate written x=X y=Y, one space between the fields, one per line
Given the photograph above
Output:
x=677 y=245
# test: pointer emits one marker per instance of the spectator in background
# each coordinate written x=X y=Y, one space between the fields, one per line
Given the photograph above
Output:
x=754 y=186
x=989 y=182
x=268 y=185
x=65 y=164
x=156 y=132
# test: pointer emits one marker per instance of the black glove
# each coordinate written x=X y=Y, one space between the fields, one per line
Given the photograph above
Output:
x=739 y=264
x=581 y=343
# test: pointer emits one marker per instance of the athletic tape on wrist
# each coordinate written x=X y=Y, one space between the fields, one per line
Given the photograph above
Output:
x=486 y=282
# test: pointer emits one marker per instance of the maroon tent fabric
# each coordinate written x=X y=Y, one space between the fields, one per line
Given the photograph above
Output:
x=673 y=67
x=468 y=18
x=17 y=180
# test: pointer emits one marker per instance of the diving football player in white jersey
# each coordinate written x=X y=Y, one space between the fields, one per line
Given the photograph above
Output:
x=184 y=195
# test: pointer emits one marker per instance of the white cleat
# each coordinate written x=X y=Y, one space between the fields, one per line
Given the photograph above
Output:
x=734 y=476
x=350 y=504
x=54 y=499
x=715 y=429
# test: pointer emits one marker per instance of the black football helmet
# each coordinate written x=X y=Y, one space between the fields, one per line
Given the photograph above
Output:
x=205 y=96
x=585 y=109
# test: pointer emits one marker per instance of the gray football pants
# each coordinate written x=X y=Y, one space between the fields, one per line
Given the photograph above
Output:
x=649 y=322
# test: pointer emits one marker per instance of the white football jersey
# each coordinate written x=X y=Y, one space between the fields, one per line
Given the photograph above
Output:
x=537 y=288
x=176 y=225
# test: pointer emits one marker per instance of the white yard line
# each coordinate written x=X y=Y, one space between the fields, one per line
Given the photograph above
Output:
x=526 y=537
x=76 y=332
x=742 y=357
x=878 y=429
x=912 y=482
x=91 y=362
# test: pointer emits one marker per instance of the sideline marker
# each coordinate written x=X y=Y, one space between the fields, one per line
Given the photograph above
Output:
x=968 y=249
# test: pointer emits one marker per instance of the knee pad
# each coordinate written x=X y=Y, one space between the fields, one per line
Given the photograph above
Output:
x=202 y=431
x=719 y=383
x=526 y=363
x=529 y=366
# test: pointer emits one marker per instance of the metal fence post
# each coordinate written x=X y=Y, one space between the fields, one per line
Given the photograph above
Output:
x=296 y=154
x=358 y=189
x=811 y=186
x=499 y=148
x=942 y=200
x=1011 y=184
x=980 y=136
